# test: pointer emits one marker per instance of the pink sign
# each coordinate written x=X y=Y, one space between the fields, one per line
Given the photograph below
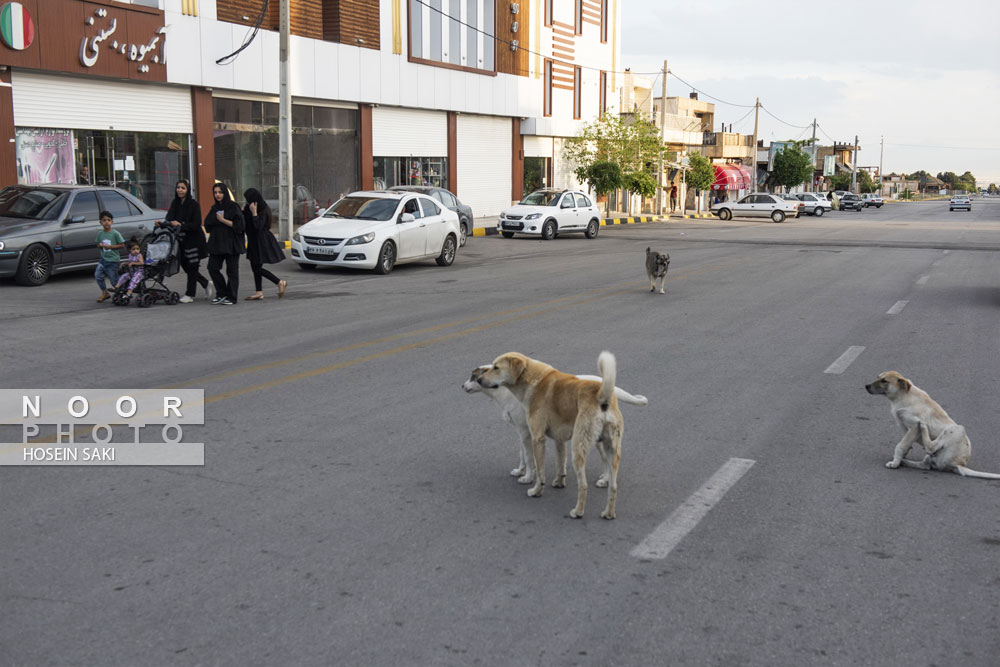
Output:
x=44 y=156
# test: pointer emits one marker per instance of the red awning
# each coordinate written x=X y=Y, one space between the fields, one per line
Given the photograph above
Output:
x=731 y=177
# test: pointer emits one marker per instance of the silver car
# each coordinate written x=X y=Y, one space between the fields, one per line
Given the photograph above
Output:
x=816 y=204
x=758 y=205
x=46 y=229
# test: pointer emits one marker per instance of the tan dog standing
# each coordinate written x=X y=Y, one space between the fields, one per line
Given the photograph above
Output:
x=924 y=421
x=564 y=407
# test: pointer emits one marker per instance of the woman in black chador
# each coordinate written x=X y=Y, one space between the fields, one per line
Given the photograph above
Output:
x=185 y=213
x=262 y=247
x=226 y=242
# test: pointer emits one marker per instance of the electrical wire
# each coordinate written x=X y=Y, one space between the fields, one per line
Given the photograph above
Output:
x=251 y=35
x=702 y=92
x=800 y=127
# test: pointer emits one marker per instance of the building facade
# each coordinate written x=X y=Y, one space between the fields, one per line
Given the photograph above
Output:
x=473 y=95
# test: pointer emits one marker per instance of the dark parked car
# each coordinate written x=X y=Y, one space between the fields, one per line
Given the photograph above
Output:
x=304 y=205
x=46 y=229
x=449 y=201
x=851 y=202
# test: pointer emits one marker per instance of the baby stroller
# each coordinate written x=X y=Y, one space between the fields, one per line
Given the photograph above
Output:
x=161 y=255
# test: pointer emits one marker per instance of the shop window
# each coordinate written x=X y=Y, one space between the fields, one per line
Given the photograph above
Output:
x=536 y=173
x=390 y=171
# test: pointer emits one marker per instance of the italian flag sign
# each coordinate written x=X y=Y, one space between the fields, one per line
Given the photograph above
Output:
x=16 y=26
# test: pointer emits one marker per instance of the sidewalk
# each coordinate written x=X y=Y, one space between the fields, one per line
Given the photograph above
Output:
x=487 y=226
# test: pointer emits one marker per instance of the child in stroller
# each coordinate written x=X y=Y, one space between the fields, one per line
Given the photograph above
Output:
x=149 y=263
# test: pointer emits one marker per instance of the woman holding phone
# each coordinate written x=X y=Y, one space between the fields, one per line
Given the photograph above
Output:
x=226 y=242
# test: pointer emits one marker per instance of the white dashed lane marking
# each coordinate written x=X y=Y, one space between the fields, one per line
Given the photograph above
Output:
x=845 y=360
x=922 y=280
x=897 y=308
x=659 y=543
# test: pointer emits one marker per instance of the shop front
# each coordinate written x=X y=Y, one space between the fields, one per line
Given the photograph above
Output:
x=732 y=181
x=409 y=147
x=325 y=150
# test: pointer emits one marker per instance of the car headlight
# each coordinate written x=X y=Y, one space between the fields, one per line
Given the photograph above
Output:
x=502 y=215
x=361 y=240
x=533 y=216
x=296 y=237
x=1 y=245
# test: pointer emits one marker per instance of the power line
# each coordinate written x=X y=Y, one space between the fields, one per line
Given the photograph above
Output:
x=800 y=127
x=251 y=35
x=702 y=92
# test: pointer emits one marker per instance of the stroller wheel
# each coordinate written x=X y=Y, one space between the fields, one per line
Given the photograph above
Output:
x=146 y=300
x=173 y=299
x=116 y=300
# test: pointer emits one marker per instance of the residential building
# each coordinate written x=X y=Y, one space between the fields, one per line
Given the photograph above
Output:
x=473 y=95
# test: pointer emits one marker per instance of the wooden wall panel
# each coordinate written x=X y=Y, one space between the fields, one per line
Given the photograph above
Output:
x=354 y=22
x=204 y=146
x=8 y=153
x=366 y=163
x=508 y=61
x=306 y=15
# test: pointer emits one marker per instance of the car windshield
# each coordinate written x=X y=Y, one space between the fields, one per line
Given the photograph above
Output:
x=541 y=198
x=33 y=204
x=363 y=208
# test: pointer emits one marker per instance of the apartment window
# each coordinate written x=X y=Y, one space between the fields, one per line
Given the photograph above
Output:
x=577 y=92
x=604 y=21
x=547 y=93
x=578 y=17
x=548 y=12
x=435 y=34
x=603 y=94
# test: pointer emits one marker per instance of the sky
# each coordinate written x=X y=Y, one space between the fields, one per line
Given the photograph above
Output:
x=924 y=75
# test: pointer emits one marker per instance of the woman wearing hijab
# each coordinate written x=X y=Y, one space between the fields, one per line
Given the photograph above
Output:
x=185 y=213
x=262 y=247
x=226 y=243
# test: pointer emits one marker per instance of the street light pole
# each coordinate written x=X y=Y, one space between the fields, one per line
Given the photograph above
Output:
x=812 y=176
x=663 y=120
x=753 y=149
x=854 y=167
x=881 y=154
x=284 y=127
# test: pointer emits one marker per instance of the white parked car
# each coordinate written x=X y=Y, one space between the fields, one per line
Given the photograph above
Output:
x=377 y=230
x=815 y=203
x=548 y=212
x=871 y=199
x=960 y=201
x=758 y=205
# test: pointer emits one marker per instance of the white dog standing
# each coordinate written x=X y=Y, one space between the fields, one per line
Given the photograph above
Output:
x=924 y=421
x=513 y=412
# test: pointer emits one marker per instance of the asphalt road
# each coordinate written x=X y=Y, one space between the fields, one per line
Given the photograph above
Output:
x=356 y=508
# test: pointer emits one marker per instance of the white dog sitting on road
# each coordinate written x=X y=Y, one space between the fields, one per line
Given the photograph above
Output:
x=513 y=411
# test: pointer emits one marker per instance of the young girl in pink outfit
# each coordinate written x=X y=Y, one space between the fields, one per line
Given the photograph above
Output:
x=132 y=266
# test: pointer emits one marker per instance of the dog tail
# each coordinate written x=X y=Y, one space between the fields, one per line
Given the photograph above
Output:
x=631 y=399
x=969 y=472
x=608 y=369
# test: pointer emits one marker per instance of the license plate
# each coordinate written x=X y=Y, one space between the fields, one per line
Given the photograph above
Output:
x=322 y=250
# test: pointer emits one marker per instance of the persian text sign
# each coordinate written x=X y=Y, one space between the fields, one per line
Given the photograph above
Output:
x=100 y=426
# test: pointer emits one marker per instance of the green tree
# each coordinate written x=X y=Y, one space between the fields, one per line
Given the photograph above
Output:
x=641 y=183
x=865 y=182
x=919 y=176
x=701 y=174
x=603 y=177
x=992 y=189
x=792 y=166
x=840 y=181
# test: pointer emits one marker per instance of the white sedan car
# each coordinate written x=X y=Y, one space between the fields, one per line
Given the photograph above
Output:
x=377 y=230
x=960 y=201
x=758 y=205
x=548 y=212
x=816 y=204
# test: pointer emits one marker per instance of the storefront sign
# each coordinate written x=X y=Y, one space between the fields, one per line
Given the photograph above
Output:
x=100 y=37
x=90 y=48
x=16 y=26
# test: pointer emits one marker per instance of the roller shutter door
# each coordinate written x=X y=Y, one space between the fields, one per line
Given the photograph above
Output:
x=46 y=100
x=409 y=133
x=484 y=163
x=537 y=146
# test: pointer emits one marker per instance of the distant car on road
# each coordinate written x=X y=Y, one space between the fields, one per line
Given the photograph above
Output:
x=758 y=205
x=551 y=211
x=815 y=203
x=46 y=229
x=449 y=201
x=851 y=202
x=872 y=199
x=960 y=201
x=304 y=206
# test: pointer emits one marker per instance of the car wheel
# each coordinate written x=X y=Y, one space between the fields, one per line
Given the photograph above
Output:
x=818 y=211
x=549 y=230
x=447 y=255
x=725 y=214
x=35 y=266
x=307 y=267
x=386 y=258
x=777 y=216
x=592 y=229
x=464 y=228
x=507 y=235
x=951 y=209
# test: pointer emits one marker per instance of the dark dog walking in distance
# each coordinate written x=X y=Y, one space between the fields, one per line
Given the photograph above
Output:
x=657 y=264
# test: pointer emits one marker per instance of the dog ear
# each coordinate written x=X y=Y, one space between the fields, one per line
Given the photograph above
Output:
x=904 y=384
x=517 y=366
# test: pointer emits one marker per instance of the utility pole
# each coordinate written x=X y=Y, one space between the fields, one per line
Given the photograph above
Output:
x=753 y=150
x=663 y=136
x=284 y=128
x=854 y=167
x=881 y=154
x=812 y=176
